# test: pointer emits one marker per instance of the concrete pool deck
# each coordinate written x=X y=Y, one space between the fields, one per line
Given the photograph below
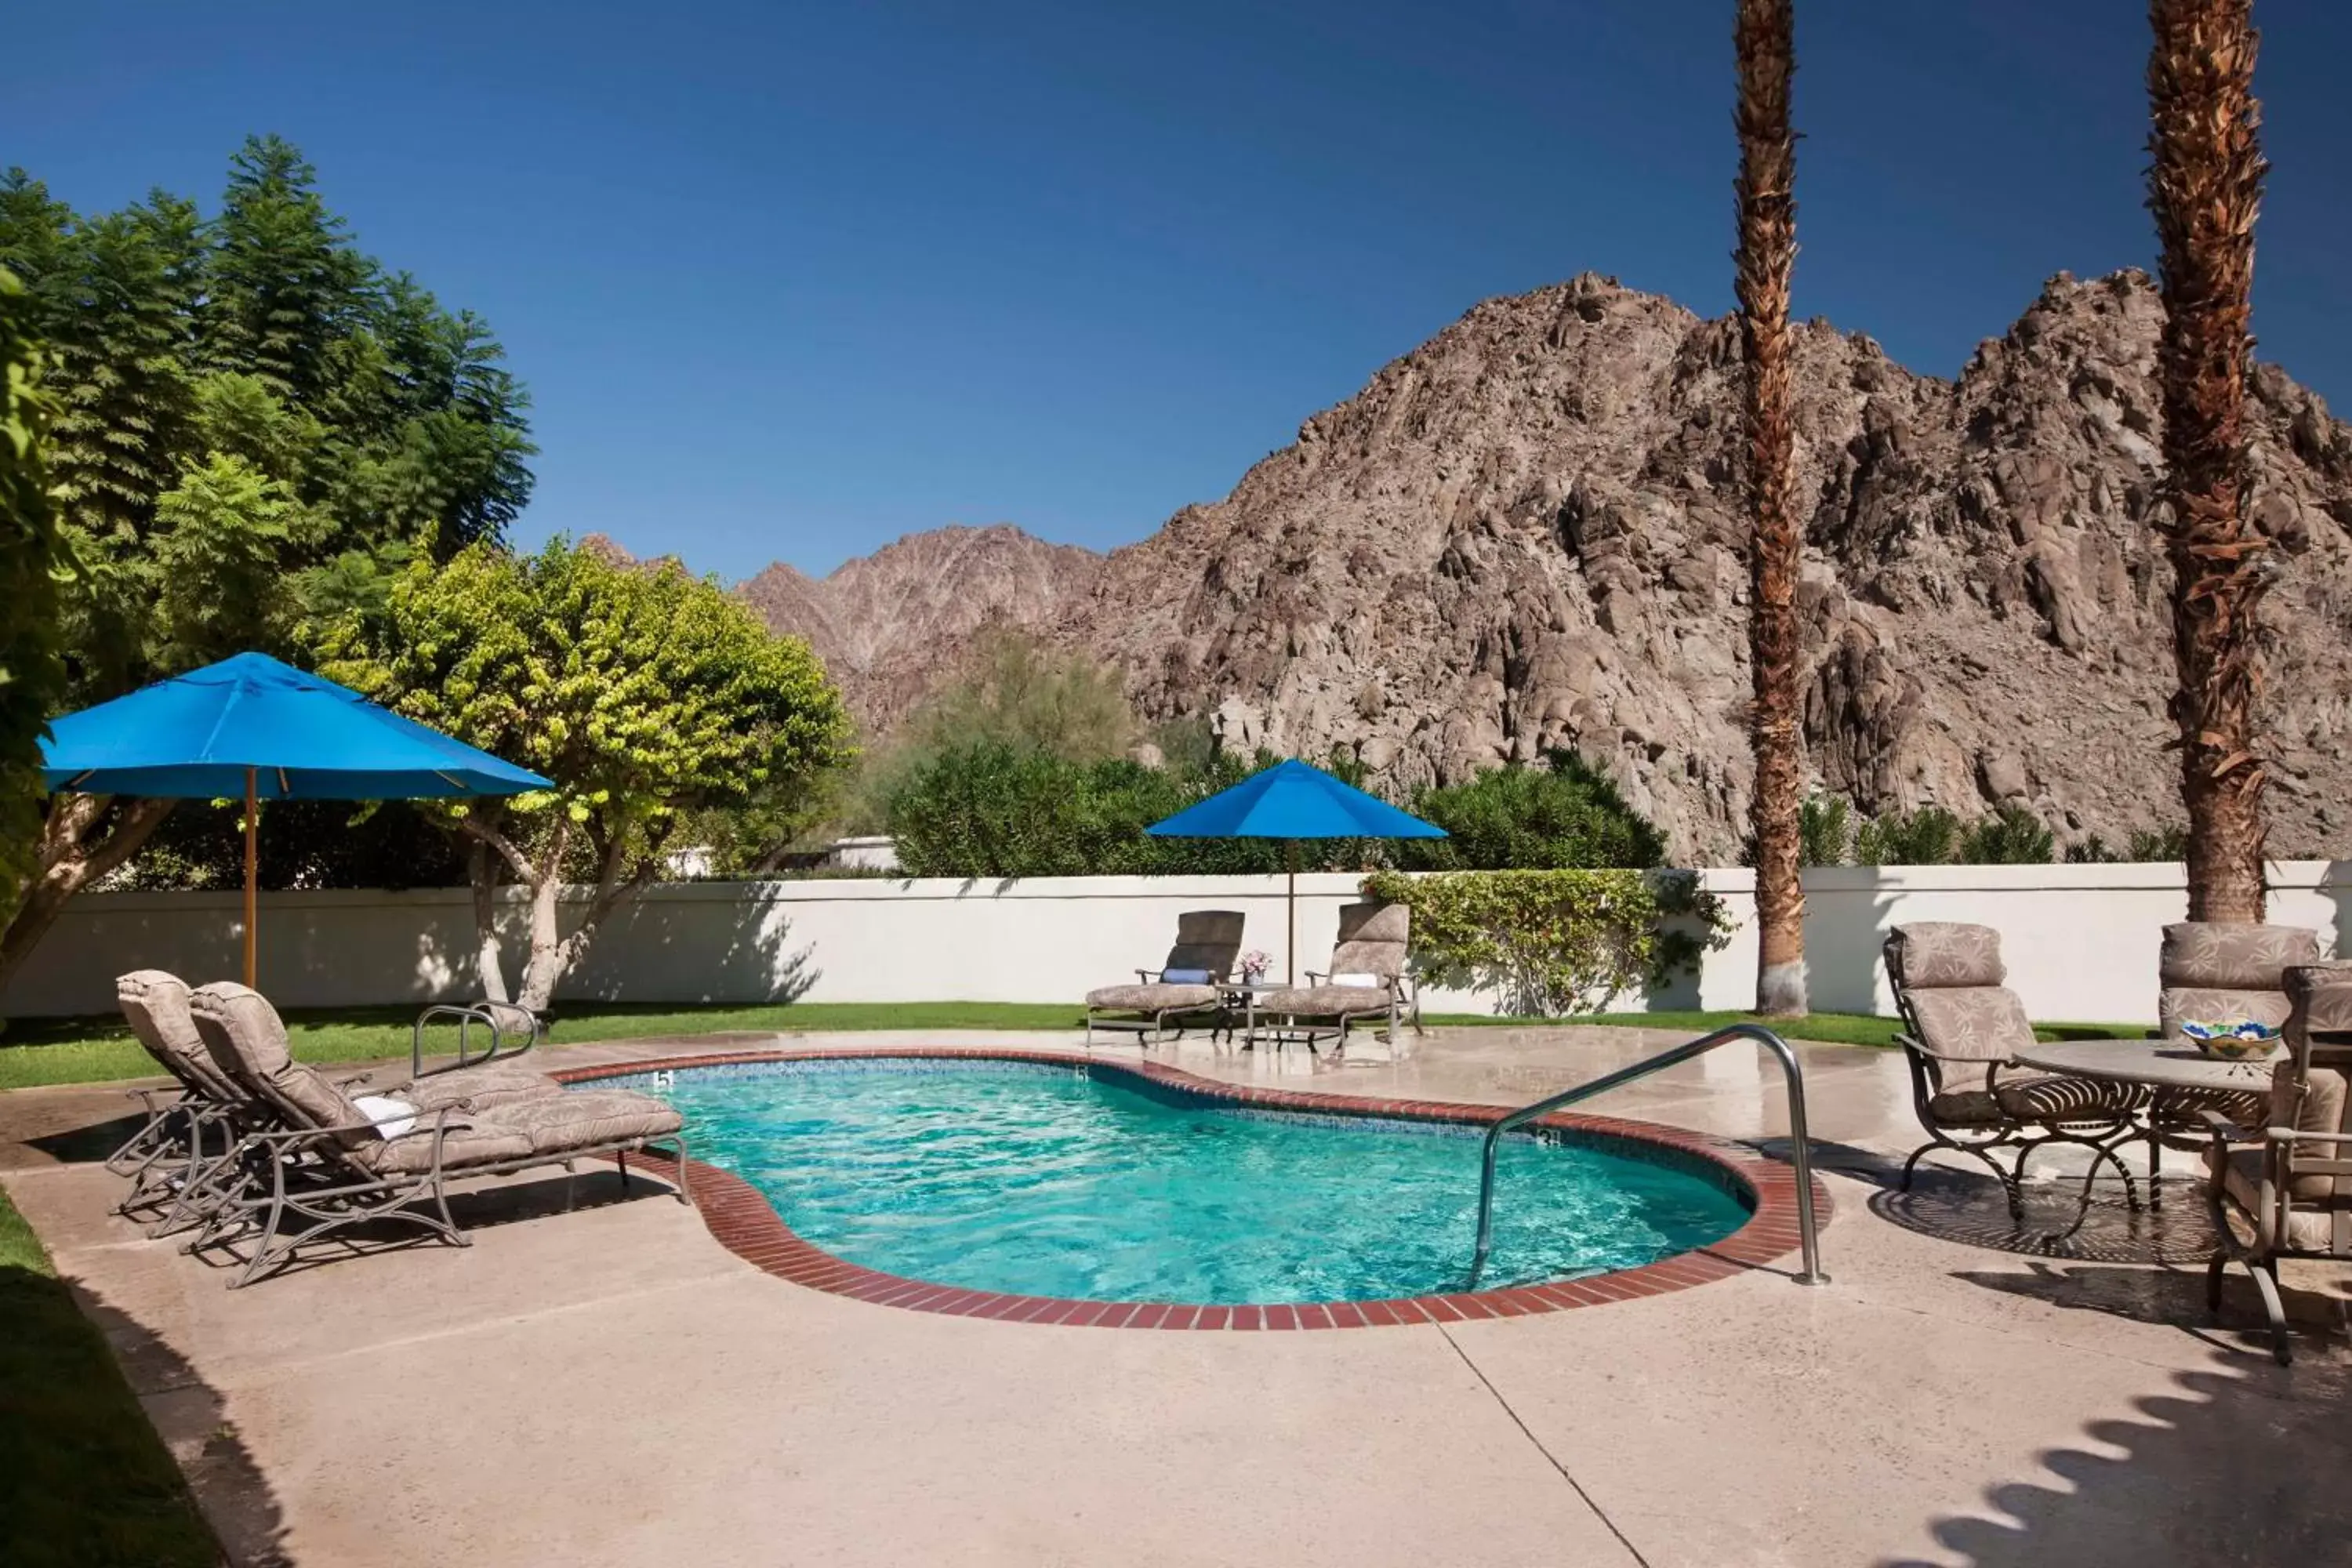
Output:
x=612 y=1386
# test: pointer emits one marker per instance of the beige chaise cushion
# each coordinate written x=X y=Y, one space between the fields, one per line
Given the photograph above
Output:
x=2211 y=972
x=465 y=1143
x=156 y=1005
x=247 y=1041
x=583 y=1120
x=474 y=1089
x=1323 y=1001
x=1152 y=998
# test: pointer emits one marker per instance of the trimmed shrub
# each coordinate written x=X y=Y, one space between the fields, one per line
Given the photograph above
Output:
x=1564 y=816
x=1548 y=943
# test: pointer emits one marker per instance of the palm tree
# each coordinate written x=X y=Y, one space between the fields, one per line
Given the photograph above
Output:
x=2204 y=185
x=1765 y=36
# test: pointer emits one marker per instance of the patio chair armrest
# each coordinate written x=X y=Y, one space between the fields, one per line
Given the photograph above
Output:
x=2226 y=1130
x=1149 y=976
x=2296 y=1135
x=1911 y=1042
x=1316 y=976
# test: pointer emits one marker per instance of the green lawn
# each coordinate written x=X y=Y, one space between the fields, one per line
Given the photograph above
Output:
x=97 y=1049
x=100 y=1049
x=84 y=1481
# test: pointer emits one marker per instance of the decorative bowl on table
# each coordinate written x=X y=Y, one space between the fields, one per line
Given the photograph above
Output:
x=2233 y=1040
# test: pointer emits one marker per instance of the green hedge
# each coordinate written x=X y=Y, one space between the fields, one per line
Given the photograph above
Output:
x=1551 y=943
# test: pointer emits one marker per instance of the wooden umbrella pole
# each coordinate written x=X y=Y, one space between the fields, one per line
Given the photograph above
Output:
x=252 y=845
x=1290 y=903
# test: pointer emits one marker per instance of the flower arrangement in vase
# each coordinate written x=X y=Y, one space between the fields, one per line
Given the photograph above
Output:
x=1255 y=964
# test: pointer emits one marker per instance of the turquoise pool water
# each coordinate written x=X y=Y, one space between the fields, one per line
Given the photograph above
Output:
x=1043 y=1181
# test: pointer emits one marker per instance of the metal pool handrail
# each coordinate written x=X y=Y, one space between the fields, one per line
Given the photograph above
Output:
x=1663 y=1059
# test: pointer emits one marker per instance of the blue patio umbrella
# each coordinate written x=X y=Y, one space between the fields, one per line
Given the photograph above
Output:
x=252 y=726
x=1291 y=801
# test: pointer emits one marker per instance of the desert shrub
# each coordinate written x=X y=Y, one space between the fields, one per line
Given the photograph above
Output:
x=995 y=809
x=2143 y=844
x=1548 y=943
x=2009 y=836
x=1824 y=830
x=1563 y=816
x=1927 y=837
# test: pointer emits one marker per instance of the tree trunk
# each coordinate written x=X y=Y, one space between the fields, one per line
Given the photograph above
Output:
x=1765 y=36
x=482 y=871
x=2204 y=185
x=66 y=861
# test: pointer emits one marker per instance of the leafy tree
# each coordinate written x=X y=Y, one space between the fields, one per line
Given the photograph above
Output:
x=644 y=694
x=1022 y=694
x=1565 y=814
x=1929 y=835
x=255 y=432
x=2011 y=836
x=32 y=668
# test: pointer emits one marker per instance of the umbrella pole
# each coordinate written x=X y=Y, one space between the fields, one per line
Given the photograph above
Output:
x=252 y=836
x=1290 y=902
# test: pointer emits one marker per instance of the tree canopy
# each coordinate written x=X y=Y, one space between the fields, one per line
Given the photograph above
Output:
x=257 y=427
x=32 y=666
x=644 y=693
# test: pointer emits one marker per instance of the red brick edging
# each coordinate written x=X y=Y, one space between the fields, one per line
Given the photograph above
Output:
x=747 y=1225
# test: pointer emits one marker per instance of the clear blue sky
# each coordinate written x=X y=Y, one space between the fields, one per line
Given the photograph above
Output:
x=787 y=280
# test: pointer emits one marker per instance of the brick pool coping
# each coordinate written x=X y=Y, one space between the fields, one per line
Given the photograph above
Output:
x=747 y=1225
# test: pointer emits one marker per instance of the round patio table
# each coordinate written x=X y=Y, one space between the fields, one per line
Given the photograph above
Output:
x=2163 y=1064
x=2158 y=1064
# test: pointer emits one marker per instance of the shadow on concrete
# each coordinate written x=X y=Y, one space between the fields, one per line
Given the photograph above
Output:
x=474 y=1208
x=93 y=1475
x=2242 y=1464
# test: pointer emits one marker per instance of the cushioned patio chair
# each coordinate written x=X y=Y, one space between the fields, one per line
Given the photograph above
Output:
x=1186 y=989
x=2283 y=1188
x=332 y=1163
x=1963 y=1031
x=1368 y=977
x=2212 y=973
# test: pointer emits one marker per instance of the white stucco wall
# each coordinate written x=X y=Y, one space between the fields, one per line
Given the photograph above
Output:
x=2081 y=940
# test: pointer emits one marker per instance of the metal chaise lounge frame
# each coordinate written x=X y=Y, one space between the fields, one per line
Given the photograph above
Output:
x=312 y=1163
x=1374 y=939
x=1209 y=940
x=187 y=1133
x=1958 y=1017
x=2284 y=1189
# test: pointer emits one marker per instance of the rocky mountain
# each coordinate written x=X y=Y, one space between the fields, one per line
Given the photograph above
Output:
x=888 y=625
x=1526 y=533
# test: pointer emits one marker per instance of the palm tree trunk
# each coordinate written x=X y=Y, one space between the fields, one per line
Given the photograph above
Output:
x=1765 y=36
x=2204 y=185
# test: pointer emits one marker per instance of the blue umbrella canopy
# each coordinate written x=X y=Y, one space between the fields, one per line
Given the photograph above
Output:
x=197 y=736
x=252 y=727
x=1293 y=800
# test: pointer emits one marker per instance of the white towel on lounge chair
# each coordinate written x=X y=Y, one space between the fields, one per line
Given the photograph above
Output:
x=392 y=1117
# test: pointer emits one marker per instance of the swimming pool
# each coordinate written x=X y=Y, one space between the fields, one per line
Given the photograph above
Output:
x=1092 y=1181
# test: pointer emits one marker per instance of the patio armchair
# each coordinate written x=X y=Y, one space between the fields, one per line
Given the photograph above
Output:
x=2210 y=972
x=1962 y=1029
x=2283 y=1188
x=330 y=1162
x=1187 y=986
x=1368 y=977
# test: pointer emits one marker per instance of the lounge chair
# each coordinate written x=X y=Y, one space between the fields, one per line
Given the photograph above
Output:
x=1963 y=1031
x=187 y=1139
x=1188 y=988
x=2284 y=1189
x=1368 y=978
x=334 y=1164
